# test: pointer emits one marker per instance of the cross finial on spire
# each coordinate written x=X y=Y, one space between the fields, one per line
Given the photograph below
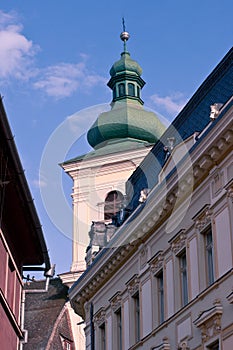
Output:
x=123 y=24
x=124 y=35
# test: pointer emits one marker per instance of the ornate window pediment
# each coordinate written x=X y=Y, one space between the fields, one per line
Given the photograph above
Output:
x=203 y=218
x=209 y=321
x=156 y=263
x=115 y=301
x=230 y=193
x=100 y=317
x=178 y=242
x=164 y=346
x=229 y=188
x=133 y=285
x=230 y=297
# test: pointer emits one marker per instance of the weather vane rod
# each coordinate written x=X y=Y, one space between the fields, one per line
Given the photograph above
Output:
x=124 y=35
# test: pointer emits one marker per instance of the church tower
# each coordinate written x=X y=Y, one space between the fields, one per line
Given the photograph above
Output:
x=120 y=138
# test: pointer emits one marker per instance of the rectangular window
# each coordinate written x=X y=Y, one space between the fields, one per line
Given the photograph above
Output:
x=160 y=296
x=66 y=345
x=137 y=316
x=119 y=329
x=102 y=337
x=214 y=346
x=184 y=279
x=11 y=277
x=209 y=256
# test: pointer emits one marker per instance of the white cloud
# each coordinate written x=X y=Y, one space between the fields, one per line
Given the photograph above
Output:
x=79 y=122
x=172 y=104
x=39 y=183
x=6 y=18
x=16 y=51
x=17 y=62
x=63 y=79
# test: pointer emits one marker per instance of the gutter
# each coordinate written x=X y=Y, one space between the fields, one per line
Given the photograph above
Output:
x=23 y=183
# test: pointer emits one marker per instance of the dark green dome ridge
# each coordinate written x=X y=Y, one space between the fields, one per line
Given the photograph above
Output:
x=125 y=121
x=125 y=64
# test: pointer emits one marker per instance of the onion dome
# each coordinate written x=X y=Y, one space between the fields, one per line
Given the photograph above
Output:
x=125 y=64
x=127 y=119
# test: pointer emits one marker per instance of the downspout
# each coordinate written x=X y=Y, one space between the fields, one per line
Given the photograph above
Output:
x=92 y=327
x=24 y=340
x=49 y=274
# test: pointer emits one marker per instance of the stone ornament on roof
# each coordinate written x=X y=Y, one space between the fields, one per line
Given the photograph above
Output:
x=215 y=110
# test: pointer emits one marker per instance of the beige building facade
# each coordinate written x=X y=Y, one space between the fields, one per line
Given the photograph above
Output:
x=164 y=280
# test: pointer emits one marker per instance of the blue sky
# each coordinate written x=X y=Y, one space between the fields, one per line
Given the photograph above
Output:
x=55 y=58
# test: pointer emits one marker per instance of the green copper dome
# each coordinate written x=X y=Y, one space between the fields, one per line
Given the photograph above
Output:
x=127 y=119
x=125 y=64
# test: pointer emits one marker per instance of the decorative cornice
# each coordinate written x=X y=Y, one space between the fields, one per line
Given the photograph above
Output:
x=86 y=162
x=143 y=195
x=209 y=321
x=104 y=273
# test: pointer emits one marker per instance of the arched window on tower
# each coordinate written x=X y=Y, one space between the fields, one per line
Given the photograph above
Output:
x=114 y=92
x=138 y=91
x=131 y=89
x=121 y=89
x=113 y=204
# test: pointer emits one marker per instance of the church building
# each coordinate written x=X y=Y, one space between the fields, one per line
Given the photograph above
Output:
x=121 y=138
x=159 y=253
